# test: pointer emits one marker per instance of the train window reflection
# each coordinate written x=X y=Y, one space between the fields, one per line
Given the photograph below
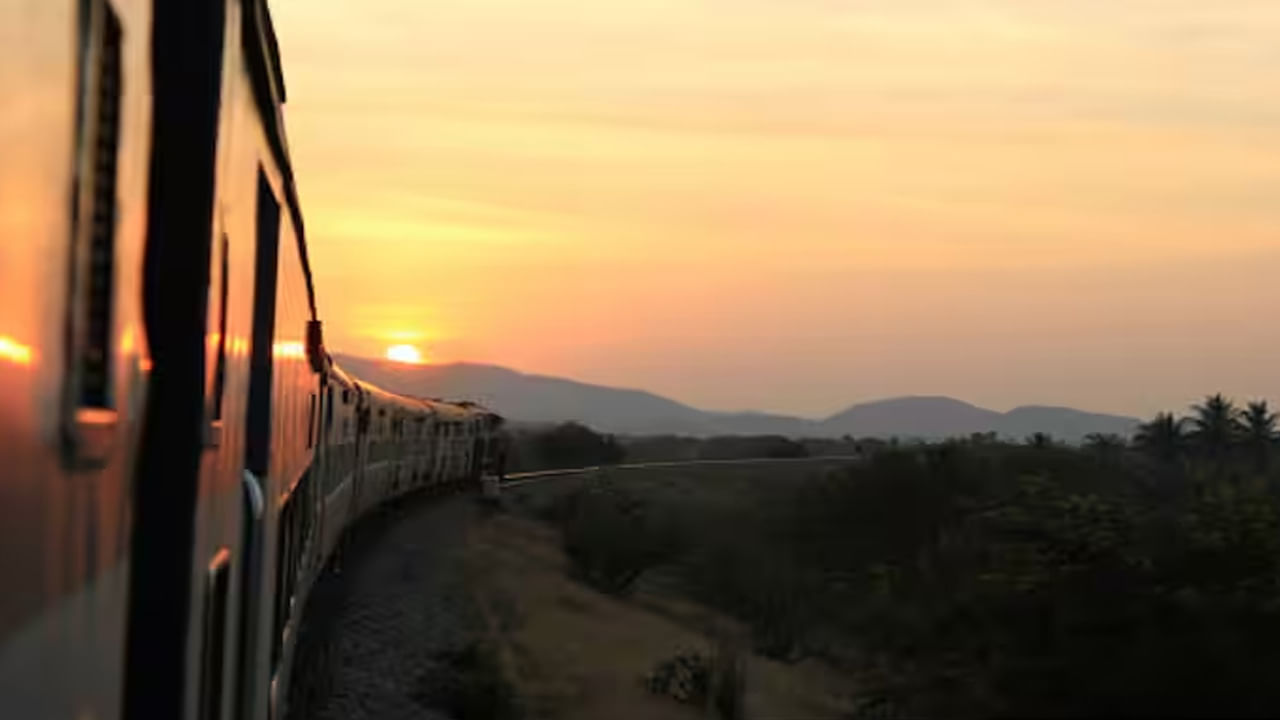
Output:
x=95 y=218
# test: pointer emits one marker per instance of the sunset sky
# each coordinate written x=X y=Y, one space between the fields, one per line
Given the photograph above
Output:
x=792 y=205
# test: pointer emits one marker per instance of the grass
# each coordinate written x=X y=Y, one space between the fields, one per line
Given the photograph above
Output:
x=579 y=652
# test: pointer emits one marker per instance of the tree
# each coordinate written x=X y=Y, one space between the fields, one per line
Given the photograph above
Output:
x=574 y=445
x=1106 y=446
x=983 y=438
x=1039 y=440
x=1162 y=437
x=1258 y=426
x=1215 y=425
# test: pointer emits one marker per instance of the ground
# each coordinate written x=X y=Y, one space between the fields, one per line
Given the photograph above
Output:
x=576 y=654
x=374 y=633
x=448 y=608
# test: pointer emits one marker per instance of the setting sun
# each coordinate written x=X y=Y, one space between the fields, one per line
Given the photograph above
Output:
x=404 y=354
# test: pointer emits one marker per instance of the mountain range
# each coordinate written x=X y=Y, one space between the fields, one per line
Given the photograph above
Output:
x=526 y=398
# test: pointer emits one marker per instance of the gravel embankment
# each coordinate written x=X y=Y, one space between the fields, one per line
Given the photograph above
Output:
x=373 y=631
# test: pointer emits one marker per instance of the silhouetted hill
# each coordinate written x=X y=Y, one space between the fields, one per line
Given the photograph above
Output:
x=538 y=399
x=924 y=417
x=941 y=417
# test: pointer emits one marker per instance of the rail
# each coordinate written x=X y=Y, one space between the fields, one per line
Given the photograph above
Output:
x=524 y=478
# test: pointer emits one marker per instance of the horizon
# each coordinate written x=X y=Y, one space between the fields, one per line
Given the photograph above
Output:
x=851 y=403
x=790 y=202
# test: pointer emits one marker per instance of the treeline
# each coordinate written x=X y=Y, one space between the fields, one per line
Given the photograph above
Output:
x=987 y=578
x=567 y=445
x=571 y=444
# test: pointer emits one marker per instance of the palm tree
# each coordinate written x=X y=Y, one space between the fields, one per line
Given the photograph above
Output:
x=1162 y=437
x=1215 y=424
x=1258 y=426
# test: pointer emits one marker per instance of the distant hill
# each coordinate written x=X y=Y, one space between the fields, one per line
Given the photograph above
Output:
x=529 y=398
x=536 y=398
x=924 y=417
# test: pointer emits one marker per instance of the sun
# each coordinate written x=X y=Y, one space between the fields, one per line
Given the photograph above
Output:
x=405 y=354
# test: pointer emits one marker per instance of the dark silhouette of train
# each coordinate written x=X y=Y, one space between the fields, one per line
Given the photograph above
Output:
x=179 y=455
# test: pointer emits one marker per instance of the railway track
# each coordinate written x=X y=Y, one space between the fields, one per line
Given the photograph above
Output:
x=524 y=478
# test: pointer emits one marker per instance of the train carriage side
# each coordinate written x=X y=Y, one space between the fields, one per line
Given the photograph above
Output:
x=337 y=460
x=76 y=92
x=388 y=471
x=253 y=533
x=449 y=419
x=423 y=445
x=411 y=416
x=370 y=450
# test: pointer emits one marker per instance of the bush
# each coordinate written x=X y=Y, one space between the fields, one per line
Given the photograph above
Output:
x=731 y=447
x=981 y=578
x=611 y=537
x=685 y=678
x=716 y=682
x=567 y=445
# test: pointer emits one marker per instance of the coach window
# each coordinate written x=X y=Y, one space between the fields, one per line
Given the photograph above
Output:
x=96 y=214
x=220 y=361
x=89 y=401
x=311 y=420
x=258 y=419
x=328 y=411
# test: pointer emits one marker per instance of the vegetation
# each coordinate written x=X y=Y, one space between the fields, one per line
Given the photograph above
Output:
x=567 y=445
x=984 y=578
x=716 y=682
x=611 y=537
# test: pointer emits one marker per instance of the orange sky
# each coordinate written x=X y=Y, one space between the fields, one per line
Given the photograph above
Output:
x=792 y=205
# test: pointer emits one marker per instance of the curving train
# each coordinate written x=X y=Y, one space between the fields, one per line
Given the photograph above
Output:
x=179 y=455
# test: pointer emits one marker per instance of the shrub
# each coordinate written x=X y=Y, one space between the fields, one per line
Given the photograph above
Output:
x=611 y=537
x=686 y=678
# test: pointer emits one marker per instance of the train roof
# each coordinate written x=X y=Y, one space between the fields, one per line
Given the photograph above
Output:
x=447 y=410
x=442 y=409
x=340 y=376
x=386 y=396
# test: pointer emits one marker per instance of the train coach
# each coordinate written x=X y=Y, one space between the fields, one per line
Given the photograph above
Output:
x=179 y=454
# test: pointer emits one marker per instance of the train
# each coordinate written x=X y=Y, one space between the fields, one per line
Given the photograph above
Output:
x=180 y=456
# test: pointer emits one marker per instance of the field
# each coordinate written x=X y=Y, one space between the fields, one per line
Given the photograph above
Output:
x=968 y=578
x=573 y=649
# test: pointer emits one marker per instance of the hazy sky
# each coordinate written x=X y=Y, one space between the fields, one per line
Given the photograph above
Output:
x=795 y=204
